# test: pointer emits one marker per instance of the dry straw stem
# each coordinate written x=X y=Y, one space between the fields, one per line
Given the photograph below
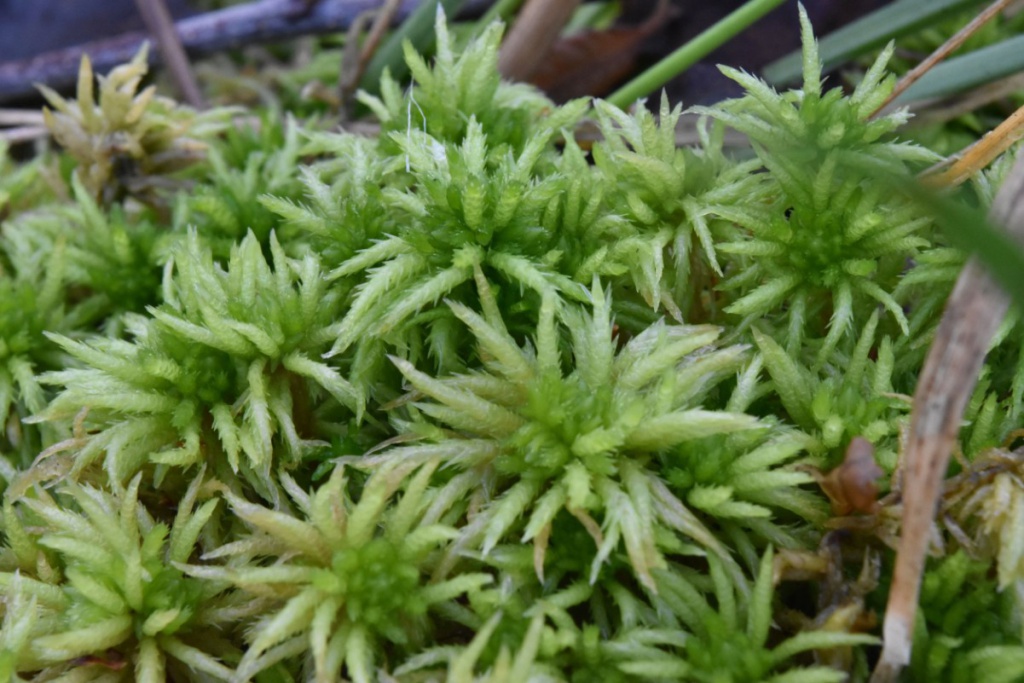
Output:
x=21 y=117
x=943 y=51
x=979 y=154
x=21 y=134
x=974 y=311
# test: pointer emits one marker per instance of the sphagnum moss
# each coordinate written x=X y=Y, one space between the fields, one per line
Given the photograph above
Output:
x=211 y=372
x=126 y=142
x=115 y=593
x=468 y=402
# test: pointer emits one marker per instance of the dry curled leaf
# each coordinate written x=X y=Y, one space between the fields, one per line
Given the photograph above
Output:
x=593 y=62
x=126 y=141
x=852 y=486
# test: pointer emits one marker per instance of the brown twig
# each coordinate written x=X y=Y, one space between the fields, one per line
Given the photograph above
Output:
x=233 y=27
x=377 y=32
x=351 y=71
x=943 y=51
x=532 y=36
x=161 y=26
x=973 y=313
x=355 y=60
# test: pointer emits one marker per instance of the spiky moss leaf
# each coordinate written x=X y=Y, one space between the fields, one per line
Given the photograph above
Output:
x=592 y=238
x=791 y=381
x=730 y=642
x=627 y=635
x=460 y=185
x=833 y=261
x=19 y=625
x=962 y=614
x=551 y=646
x=228 y=199
x=351 y=575
x=22 y=323
x=992 y=510
x=664 y=192
x=113 y=258
x=580 y=439
x=120 y=596
x=459 y=88
x=339 y=208
x=810 y=124
x=465 y=169
x=747 y=478
x=460 y=668
x=853 y=397
x=32 y=301
x=472 y=207
x=125 y=141
x=997 y=663
x=214 y=370
x=833 y=239
x=21 y=186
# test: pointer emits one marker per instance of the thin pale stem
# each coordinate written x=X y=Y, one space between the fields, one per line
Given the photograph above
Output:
x=973 y=314
x=161 y=25
x=943 y=51
x=979 y=154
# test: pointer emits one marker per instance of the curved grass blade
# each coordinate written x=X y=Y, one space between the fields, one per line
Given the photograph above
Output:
x=867 y=33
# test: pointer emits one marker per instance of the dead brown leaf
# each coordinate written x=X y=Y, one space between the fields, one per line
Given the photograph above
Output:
x=594 y=62
x=852 y=487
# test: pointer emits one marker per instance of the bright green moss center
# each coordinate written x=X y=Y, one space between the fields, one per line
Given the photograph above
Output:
x=20 y=324
x=378 y=583
x=562 y=412
x=816 y=246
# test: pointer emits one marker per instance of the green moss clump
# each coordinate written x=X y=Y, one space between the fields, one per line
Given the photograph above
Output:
x=473 y=399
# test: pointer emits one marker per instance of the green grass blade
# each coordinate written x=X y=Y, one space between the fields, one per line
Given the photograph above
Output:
x=419 y=30
x=502 y=10
x=968 y=228
x=870 y=32
x=688 y=55
x=968 y=71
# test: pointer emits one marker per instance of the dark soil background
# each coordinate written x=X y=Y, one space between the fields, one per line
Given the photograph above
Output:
x=775 y=35
x=646 y=32
x=31 y=27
